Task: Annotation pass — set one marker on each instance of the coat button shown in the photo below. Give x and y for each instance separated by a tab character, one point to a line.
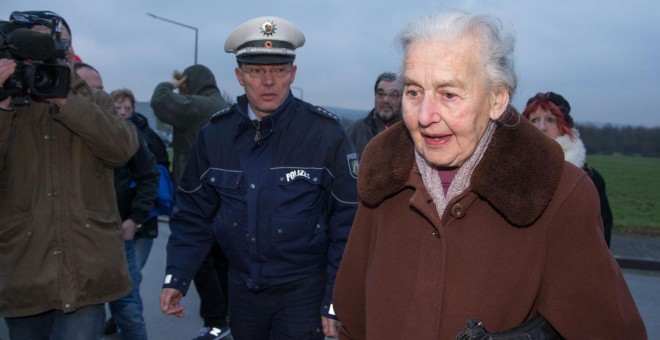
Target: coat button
457	210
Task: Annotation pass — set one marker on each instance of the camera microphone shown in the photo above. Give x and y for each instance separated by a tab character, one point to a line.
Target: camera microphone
26	44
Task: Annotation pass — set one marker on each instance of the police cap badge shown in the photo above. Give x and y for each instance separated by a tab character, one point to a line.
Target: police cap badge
266	41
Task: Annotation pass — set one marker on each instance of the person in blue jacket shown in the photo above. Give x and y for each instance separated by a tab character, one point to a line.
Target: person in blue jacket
272	179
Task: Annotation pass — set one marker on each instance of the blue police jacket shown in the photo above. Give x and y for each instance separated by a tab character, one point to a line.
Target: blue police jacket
279	195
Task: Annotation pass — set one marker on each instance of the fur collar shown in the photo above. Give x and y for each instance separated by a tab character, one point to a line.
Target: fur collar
517	175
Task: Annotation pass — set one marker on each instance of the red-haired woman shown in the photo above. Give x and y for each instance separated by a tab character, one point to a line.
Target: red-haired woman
550	112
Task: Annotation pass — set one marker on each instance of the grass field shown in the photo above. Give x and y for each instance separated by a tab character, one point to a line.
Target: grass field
633	189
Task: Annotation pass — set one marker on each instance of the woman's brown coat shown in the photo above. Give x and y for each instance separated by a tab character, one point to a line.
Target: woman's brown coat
524	238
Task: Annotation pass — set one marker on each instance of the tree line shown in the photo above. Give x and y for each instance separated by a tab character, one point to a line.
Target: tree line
623	140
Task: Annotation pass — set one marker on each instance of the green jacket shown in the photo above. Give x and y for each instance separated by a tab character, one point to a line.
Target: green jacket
60	232
187	113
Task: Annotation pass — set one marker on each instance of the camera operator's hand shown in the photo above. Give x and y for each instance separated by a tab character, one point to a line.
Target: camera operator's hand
7	68
57	101
177	82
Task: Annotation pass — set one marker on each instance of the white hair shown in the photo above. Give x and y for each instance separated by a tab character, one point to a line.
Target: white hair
496	42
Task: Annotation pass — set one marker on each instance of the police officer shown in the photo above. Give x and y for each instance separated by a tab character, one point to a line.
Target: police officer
273	180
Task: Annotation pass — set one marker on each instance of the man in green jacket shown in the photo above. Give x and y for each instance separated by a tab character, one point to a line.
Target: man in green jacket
188	110
60	231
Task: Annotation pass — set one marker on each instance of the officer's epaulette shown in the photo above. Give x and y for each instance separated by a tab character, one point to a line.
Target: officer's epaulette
222	112
323	112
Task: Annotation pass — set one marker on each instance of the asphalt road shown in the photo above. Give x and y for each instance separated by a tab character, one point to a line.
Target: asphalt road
645	288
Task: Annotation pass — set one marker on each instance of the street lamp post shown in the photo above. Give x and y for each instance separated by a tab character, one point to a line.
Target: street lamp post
180	24
299	89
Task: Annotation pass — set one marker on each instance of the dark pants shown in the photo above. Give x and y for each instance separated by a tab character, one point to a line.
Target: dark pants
84	324
211	284
289	311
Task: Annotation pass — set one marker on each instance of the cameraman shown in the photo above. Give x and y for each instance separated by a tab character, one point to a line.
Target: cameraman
60	231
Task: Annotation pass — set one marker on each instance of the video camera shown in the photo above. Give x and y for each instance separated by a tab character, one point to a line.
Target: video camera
46	75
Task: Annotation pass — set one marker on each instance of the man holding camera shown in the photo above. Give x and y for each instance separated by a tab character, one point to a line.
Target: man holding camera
60	231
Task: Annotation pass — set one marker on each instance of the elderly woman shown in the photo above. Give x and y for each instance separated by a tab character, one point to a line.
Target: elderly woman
466	213
551	113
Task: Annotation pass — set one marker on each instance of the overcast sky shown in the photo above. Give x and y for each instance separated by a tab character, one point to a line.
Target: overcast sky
603	56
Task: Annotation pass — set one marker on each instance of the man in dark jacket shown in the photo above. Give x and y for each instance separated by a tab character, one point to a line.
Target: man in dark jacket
386	111
273	180
124	104
89	74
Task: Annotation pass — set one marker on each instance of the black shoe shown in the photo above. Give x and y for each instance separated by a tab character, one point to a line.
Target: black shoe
110	327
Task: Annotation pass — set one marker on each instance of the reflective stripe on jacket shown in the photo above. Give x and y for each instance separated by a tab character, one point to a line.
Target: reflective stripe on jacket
281	206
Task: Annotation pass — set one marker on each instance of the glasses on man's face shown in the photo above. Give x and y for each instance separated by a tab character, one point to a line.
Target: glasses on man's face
392	94
260	72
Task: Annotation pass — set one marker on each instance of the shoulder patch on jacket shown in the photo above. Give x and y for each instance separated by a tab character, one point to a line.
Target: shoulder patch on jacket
323	112
222	112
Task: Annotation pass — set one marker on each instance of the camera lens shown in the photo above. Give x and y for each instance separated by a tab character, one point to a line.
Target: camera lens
45	79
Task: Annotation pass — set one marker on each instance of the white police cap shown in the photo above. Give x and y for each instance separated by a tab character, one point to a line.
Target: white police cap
265	40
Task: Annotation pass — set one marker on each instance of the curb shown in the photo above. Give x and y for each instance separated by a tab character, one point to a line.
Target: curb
638	263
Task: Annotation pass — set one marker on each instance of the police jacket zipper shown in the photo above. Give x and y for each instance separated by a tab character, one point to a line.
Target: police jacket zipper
257	125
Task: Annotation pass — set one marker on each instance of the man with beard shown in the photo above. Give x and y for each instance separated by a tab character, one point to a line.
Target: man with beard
386	112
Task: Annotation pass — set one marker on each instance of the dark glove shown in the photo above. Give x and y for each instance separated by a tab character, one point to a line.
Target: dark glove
538	328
